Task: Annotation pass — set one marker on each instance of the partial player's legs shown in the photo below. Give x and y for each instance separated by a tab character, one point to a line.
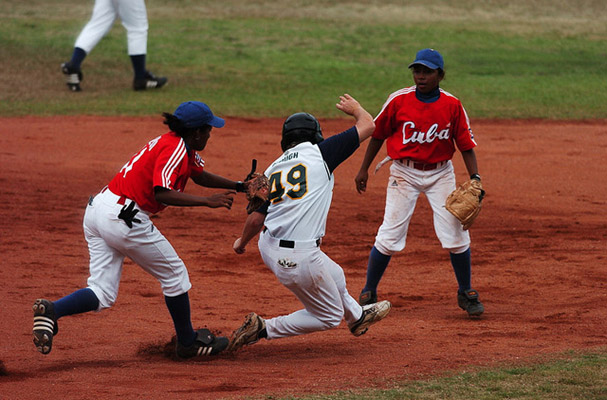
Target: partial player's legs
452	237
192	343
314	286
47	313
401	197
99	25
147	247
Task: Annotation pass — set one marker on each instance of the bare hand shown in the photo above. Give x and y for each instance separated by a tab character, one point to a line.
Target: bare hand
238	249
361	181
224	199
348	104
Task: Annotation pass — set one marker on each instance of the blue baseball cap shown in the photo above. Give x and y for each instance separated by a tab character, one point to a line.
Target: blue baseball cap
430	58
195	114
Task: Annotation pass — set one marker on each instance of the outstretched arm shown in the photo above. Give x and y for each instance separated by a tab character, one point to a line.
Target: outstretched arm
175	198
364	120
210	180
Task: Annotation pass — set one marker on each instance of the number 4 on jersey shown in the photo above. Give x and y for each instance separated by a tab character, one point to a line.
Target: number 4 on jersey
296	179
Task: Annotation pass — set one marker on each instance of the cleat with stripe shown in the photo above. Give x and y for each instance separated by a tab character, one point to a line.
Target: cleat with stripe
206	344
45	325
73	77
150	81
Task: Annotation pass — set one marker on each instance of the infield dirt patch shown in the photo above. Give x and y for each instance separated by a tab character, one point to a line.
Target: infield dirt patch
538	253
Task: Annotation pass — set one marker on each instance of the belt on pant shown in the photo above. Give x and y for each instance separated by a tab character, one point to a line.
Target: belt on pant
292	244
421	166
120	199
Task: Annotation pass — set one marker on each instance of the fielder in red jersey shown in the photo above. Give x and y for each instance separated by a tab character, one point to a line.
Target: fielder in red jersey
117	224
422	126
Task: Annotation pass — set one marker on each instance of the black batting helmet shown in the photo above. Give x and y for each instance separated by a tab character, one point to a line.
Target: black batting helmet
298	128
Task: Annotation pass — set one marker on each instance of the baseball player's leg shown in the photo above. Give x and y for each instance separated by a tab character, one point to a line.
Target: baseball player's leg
98	26
401	197
102	19
352	310
455	239
313	285
105	268
134	18
47	313
147	247
133	15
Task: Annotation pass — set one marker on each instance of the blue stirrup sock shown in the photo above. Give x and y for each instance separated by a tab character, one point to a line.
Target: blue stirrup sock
81	301
179	308
461	267
376	267
77	57
138	62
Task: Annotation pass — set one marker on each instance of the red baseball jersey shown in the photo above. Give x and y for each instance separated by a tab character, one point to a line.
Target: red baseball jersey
165	162
424	132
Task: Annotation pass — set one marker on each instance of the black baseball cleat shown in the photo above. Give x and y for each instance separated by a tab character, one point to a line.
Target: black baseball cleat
149	82
468	301
368	297
73	76
45	325
205	344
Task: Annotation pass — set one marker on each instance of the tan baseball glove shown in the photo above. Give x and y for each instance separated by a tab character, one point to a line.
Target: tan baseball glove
257	188
466	201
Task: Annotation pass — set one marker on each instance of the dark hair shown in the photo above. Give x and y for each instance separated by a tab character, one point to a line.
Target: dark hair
176	125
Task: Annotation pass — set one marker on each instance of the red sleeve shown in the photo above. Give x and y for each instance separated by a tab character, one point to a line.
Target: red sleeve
384	121
464	139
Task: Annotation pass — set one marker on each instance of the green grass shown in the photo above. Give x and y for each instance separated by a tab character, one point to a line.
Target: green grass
537	59
574	376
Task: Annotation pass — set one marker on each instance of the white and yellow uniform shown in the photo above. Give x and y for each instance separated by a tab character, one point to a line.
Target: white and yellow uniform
301	190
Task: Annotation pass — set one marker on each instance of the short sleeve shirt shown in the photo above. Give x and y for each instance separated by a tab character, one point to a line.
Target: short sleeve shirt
423	132
164	162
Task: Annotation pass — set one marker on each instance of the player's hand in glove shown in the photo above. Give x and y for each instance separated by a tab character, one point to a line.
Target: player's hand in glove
466	201
257	188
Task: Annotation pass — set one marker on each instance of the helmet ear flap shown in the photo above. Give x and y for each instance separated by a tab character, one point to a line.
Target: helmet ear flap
300	127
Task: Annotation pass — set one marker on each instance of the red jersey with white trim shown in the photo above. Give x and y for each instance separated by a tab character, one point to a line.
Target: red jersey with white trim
423	132
163	162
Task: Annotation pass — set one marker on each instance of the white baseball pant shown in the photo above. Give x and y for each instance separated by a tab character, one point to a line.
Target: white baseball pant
110	240
317	281
404	187
133	15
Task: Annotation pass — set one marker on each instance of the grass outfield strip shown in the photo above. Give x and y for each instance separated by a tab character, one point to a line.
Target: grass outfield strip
575	376
517	59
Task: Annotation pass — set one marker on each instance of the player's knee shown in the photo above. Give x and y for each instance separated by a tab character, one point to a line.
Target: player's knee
459	249
106	298
331	318
387	248
332	322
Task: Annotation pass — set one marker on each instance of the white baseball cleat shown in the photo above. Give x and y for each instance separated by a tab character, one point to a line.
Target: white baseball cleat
372	313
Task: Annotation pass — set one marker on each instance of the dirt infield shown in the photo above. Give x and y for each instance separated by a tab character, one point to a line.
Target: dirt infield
538	252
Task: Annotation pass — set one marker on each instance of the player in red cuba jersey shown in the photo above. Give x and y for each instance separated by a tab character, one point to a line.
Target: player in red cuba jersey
422	126
117	224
